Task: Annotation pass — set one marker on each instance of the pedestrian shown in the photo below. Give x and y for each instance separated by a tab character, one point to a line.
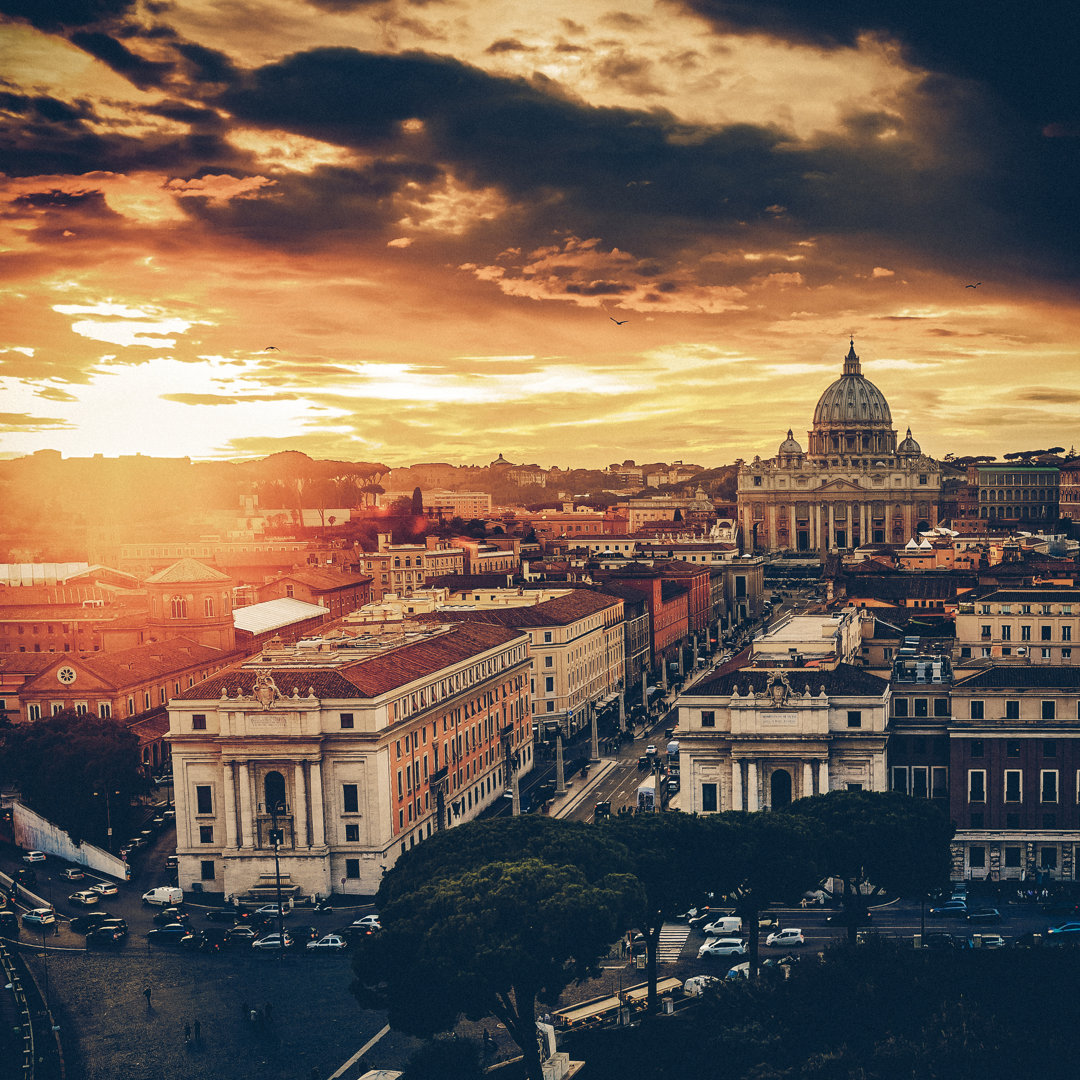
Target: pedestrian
187	1033
198	1032
146	994
253	1017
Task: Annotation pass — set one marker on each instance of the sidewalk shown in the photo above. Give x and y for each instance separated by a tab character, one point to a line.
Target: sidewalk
577	790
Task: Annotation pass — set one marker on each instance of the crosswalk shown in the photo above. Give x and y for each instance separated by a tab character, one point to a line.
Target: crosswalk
673	937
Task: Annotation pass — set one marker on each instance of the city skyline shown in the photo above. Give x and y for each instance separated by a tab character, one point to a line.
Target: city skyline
573	235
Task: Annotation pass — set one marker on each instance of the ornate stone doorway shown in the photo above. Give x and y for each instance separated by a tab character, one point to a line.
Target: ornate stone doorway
779	789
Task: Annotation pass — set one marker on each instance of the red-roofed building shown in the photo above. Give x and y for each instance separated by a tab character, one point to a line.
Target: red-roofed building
339	592
368	739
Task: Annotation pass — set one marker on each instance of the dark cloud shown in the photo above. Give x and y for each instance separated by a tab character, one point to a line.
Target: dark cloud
141	72
53	393
22	422
505	45
1049	396
60	14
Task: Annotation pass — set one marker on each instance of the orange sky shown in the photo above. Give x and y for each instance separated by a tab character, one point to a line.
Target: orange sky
434	212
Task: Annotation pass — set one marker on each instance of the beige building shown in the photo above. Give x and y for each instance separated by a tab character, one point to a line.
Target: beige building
368	740
854	484
403	568
758	738
1017	625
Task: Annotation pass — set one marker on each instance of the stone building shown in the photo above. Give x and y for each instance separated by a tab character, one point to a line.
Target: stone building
854	484
359	744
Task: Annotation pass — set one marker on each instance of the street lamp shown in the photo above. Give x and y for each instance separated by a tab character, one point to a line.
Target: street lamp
275	839
108	817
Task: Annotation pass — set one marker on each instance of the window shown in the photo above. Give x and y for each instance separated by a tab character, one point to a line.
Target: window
547	637
352	834
941	706
1025	633
1006	632
33	712
708	718
346	719
899	779
352	869
208	606
900	706
976	712
198	722
919	777
977	856
549	684
206	834
939	776
1048	855
1012	858
178	607
1045	633
984	630
1048	785
708	797
104	710
206	870
1048	710
204	801
1012	710
350	798
1014	785
854	718
921	707
1066	633
976	785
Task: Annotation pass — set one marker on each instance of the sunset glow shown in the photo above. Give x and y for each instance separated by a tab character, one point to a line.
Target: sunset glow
408	231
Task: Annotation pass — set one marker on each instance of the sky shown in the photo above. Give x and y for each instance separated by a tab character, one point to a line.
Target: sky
573	232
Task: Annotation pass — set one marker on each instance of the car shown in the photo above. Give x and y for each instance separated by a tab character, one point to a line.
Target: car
844	918
9	924
984	915
715	947
273	911
84	898
169	815
789	936
33	857
164	896
768	921
91	920
239	935
227	914
303	934
167	935
950	907
171	915
193	940
105	936
116	924
939	939
642	762
697	985
1066	934
328	943
105	888
212	939
992	941
172	862
135	842
41	916
273	942
367	920
72	873
673	786
24	876
723	926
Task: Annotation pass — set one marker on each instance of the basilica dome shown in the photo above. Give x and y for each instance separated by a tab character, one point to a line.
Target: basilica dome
909	445
790	445
852	399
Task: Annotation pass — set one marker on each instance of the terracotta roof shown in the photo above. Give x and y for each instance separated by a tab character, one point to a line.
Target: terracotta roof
366	677
145	661
322	580
1020	676
186	571
559	611
844	679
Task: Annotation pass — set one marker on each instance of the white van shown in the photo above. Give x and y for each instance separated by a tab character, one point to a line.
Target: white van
164	895
722	926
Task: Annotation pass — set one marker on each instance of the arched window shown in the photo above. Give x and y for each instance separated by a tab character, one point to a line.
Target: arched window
179	607
274	791
208	606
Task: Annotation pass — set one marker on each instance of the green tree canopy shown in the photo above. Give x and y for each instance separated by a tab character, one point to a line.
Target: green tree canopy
64	764
491	941
877	842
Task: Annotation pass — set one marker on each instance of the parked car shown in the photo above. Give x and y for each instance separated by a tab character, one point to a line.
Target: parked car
728	946
697	985
105	888
993	941
41	916
239	935
272	911
105	936
9	924
223	914
722	926
366	921
328	943
33	857
91	920
788	937
213	939
84	898
170	915
984	915
24	876
164	895
72	873
273	942
939	939
304	934
172	862
167	935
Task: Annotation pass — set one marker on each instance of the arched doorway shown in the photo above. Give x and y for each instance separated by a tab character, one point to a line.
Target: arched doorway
780	789
274	791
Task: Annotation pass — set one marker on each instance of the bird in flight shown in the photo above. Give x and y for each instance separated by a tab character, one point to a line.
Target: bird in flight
617	322
271	348
975	286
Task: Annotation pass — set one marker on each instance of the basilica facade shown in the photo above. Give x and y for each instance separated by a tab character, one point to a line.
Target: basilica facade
853	485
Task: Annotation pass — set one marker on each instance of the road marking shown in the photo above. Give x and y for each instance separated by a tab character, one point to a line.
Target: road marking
359	1054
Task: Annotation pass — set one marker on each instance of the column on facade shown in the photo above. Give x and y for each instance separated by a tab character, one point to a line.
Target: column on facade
300	832
823	777
751	785
243	782
318	821
815	525
831	538
228	797
807	779
864	526
909	525
736	784
877	773
772	527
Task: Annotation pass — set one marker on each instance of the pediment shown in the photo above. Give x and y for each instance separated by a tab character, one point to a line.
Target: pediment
57	680
839	486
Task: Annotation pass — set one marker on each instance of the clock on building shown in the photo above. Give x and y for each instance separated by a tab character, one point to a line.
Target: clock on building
67	675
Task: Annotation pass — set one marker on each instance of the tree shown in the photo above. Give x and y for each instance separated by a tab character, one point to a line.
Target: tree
417	502
491	941
877	842
63	765
665	856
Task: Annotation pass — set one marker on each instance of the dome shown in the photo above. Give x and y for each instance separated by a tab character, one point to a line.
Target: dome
790	445
909	445
852	400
